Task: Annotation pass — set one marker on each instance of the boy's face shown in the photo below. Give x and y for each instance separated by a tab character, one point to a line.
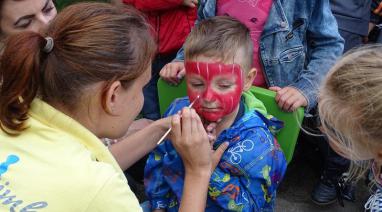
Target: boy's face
218	85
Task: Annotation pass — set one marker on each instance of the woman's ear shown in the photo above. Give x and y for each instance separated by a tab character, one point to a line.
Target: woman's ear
112	97
249	78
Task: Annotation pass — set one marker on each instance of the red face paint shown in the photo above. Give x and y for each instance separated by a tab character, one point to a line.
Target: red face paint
207	81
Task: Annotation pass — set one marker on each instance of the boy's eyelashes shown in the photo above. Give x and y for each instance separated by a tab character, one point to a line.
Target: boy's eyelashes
196	84
225	86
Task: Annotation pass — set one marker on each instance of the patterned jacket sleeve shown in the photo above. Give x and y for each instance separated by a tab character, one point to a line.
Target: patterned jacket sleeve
247	177
155	185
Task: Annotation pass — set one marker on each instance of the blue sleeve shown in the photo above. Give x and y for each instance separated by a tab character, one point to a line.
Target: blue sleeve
325	45
155	185
247	177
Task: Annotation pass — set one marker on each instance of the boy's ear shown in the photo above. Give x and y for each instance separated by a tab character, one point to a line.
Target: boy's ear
248	81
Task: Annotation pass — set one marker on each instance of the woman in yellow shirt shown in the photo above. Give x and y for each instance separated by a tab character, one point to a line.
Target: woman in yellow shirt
79	81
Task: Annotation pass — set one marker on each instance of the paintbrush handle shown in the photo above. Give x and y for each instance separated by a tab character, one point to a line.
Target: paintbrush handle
169	130
164	136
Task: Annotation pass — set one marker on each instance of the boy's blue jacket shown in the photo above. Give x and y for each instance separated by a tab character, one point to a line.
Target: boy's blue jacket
246	177
299	44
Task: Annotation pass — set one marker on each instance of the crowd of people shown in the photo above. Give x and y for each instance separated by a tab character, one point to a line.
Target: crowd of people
70	80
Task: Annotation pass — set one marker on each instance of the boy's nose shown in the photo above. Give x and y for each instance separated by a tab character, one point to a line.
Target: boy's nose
209	96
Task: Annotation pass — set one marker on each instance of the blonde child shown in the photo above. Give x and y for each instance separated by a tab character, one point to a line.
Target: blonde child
350	108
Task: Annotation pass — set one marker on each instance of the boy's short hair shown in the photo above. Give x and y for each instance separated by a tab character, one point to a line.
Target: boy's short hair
220	37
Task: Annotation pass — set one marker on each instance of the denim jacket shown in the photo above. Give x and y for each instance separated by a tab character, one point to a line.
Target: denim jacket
245	179
299	44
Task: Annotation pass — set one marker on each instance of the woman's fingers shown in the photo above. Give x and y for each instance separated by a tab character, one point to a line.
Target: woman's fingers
176	130
217	154
194	123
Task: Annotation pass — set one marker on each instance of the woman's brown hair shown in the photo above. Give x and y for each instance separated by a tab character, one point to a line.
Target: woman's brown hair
93	42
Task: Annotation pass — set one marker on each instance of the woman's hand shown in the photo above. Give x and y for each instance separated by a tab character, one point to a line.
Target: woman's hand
193	144
191	141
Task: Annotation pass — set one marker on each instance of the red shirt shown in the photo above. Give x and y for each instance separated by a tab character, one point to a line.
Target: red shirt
254	14
171	21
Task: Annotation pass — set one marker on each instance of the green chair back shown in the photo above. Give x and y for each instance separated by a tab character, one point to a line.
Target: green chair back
287	137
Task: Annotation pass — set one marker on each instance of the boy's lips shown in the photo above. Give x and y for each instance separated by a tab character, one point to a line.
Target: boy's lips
210	109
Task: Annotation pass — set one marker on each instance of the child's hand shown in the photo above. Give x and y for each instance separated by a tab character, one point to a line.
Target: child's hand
190	3
192	143
211	132
289	98
173	72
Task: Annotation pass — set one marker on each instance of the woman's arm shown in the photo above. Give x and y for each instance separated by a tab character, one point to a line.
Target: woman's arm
195	191
132	148
191	141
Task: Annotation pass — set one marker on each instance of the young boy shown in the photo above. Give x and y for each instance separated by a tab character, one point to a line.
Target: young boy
218	70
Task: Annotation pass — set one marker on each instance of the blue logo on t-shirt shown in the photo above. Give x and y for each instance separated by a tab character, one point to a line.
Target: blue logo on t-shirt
7	196
11	159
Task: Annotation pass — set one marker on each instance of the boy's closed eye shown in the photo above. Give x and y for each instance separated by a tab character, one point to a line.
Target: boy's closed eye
225	85
196	83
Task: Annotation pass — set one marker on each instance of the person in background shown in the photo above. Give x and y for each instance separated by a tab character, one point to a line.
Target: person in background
353	17
32	15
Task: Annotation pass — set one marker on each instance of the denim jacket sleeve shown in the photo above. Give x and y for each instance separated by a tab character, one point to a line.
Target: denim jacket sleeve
325	45
248	185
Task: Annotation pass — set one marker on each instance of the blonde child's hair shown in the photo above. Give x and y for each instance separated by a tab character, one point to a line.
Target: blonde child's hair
350	103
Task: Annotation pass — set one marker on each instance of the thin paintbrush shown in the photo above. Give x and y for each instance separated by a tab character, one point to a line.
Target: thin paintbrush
169	130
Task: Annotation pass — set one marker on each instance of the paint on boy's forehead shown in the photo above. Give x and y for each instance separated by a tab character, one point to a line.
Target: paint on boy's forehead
214	104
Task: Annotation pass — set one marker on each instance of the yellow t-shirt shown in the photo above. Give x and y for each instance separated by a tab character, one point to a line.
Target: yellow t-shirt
58	165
